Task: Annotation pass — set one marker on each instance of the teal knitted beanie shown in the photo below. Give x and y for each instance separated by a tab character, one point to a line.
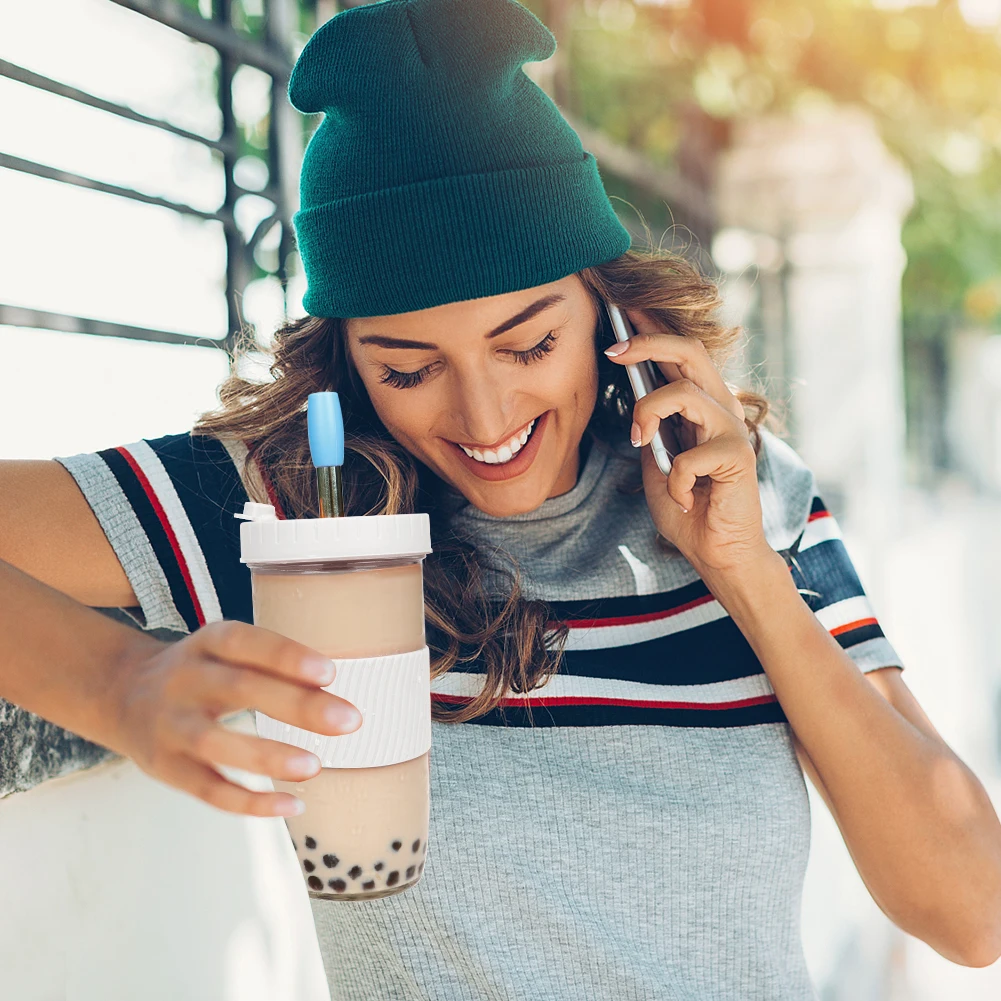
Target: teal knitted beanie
440	171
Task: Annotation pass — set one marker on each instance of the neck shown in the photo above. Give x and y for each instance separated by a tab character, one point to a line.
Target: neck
570	472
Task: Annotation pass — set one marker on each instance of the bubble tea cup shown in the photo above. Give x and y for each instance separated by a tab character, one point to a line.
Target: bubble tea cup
352	589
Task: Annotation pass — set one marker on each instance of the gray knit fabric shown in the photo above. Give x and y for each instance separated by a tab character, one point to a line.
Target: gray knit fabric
625	863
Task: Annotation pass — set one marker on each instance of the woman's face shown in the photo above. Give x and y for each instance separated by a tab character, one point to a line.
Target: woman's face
493	394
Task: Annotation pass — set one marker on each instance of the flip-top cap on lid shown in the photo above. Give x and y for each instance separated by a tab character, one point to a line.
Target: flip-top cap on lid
308	539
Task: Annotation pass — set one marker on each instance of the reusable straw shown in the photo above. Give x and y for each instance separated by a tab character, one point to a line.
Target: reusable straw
325	425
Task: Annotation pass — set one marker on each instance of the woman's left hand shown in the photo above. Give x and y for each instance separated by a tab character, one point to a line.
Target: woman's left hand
715	478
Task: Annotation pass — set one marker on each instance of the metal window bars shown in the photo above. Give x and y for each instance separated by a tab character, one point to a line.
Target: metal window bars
271	55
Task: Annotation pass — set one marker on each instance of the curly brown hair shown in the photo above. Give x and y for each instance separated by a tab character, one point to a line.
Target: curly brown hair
511	636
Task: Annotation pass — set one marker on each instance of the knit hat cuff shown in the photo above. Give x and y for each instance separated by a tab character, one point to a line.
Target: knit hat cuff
360	252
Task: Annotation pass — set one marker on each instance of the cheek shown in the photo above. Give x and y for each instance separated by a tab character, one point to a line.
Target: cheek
406	414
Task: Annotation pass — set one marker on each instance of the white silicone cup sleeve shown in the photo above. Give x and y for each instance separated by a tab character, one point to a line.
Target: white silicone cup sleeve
393	695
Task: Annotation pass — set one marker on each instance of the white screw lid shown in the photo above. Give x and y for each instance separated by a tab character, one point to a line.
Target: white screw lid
268	540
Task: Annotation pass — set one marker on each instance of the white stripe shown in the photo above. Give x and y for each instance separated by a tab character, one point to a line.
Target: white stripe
819	530
562	686
149	462
843	612
603	637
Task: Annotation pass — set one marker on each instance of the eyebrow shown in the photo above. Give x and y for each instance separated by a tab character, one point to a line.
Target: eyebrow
385	341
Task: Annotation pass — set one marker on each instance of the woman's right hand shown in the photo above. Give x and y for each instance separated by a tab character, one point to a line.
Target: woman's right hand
166	701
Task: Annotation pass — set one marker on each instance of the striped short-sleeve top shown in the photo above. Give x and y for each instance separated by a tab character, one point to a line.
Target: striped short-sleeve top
637	829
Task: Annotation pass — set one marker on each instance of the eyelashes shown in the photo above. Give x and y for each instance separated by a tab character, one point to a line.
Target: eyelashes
407	380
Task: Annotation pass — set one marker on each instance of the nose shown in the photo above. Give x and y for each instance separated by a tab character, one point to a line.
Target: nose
483	411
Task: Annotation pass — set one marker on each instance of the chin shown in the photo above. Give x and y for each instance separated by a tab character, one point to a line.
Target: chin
502	501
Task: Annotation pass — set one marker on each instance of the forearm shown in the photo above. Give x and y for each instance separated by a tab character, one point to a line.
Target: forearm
59	658
920	826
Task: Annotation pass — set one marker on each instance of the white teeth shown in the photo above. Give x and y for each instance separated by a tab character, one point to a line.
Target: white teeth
503	454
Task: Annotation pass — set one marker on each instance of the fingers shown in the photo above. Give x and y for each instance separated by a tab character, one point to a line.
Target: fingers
677	356
213	744
725	460
240	643
223	688
208	785
686	398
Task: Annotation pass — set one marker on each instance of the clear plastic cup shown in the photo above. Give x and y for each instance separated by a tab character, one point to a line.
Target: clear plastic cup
364	831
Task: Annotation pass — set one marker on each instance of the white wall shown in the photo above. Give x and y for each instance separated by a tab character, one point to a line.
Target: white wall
115	887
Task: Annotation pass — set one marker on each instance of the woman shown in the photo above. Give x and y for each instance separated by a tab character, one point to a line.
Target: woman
626	666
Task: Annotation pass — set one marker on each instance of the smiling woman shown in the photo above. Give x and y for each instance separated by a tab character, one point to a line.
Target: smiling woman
404	443
630	671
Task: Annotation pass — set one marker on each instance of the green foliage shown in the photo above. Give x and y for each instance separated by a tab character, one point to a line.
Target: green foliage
931	80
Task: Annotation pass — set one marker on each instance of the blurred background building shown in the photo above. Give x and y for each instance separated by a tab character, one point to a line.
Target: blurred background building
835	163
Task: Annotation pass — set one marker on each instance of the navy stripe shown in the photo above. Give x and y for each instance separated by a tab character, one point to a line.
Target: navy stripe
854	636
211	492
552	716
630	604
158	540
818	506
713	651
827	569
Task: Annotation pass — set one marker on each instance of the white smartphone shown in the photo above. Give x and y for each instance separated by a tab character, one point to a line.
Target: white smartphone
643	379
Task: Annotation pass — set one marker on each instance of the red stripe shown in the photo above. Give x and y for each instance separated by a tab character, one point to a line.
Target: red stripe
628	620
583	700
168	529
858	624
268	486
818	514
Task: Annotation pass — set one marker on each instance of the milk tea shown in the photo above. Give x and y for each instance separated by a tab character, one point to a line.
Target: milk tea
364	830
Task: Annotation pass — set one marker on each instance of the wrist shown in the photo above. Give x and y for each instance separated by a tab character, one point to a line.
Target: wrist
109	696
752	586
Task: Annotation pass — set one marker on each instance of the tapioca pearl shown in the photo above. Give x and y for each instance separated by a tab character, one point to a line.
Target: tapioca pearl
379	866
310	842
355	871
420	868
393	878
415	846
315	882
338	884
369	884
307	865
331	861
397	845
411	869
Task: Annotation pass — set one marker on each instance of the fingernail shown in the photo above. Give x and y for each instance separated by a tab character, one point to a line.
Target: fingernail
318	669
345	718
306	765
635	435
290	808
617	349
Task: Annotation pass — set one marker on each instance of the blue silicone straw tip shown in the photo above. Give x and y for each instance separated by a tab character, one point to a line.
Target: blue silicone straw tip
326	429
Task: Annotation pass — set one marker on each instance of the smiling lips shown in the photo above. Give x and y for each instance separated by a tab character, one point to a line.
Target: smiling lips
509	459
506	452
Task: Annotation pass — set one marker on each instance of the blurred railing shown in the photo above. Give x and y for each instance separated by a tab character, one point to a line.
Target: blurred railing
270	55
